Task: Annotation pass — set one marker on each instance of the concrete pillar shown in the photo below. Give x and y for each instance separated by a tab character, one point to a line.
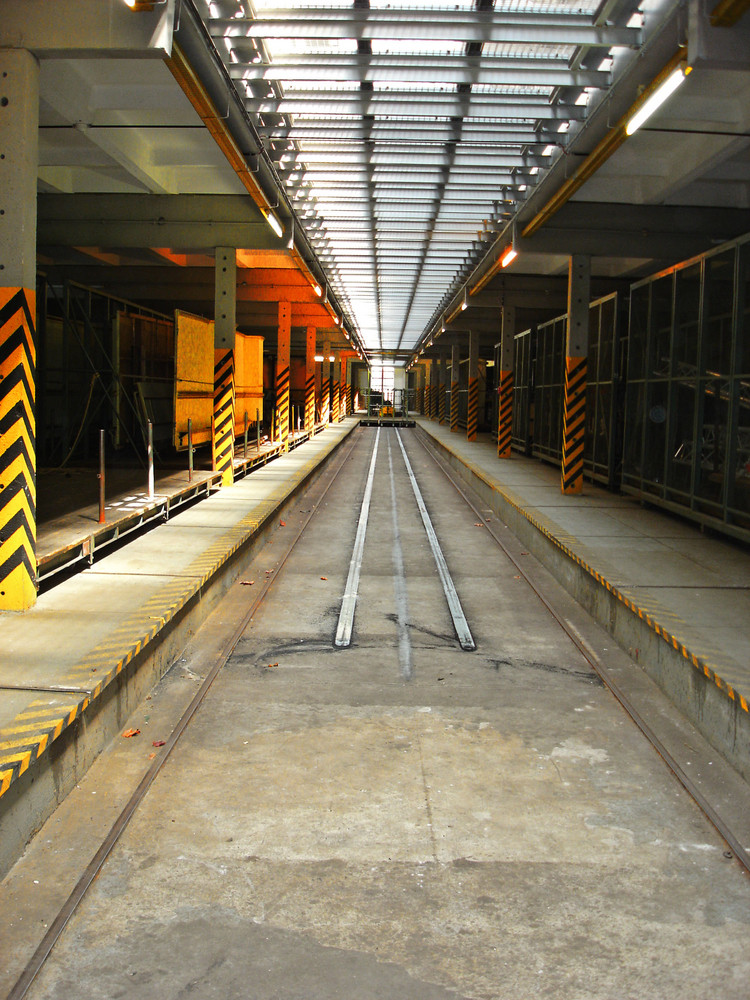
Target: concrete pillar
225	299
455	379
318	391
441	389
283	352
336	389
505	383
576	359
472	413
420	379
348	388
325	384
19	127
310	379
433	389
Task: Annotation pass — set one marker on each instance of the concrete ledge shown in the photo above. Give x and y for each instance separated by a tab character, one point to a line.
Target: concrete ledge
62	727
719	711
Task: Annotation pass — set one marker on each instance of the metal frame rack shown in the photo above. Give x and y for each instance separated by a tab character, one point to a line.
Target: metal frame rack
687	406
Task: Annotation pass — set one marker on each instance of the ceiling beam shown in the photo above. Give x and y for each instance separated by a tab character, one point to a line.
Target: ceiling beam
471	70
499	27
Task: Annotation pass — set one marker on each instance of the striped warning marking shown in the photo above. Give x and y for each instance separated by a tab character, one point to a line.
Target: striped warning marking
30	733
310	402
348	394
441	403
505	414
336	402
325	403
472	416
223	440
282	406
696	661
574	420
17	449
454	406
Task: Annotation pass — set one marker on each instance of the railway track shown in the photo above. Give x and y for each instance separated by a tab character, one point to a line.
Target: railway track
384	450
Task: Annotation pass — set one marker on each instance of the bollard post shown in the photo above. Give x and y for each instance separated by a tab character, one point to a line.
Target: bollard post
150	460
257	429
245	451
102	517
190	449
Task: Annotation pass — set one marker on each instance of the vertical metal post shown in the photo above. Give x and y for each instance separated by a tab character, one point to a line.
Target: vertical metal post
244	454
190	449
150	460
102	439
257	430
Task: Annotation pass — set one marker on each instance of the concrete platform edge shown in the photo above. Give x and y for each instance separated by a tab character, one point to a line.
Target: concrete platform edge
61	749
719	712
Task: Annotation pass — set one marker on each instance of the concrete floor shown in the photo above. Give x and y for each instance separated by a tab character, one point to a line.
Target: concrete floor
495	827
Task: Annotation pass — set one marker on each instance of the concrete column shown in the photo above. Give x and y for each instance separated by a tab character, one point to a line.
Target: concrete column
325	384
348	387
336	389
576	360
19	128
420	379
441	389
505	382
225	299
455	379
318	391
283	352
433	389
472	413
310	379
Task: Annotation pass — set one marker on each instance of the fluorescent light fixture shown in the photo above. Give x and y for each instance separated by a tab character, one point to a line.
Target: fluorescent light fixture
656	100
318	290
336	320
509	255
319	357
465	303
274	223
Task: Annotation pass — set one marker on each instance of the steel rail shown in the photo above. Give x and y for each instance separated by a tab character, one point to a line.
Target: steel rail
69	907
732	841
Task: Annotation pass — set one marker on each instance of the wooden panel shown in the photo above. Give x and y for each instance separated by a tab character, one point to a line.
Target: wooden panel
248	380
194	378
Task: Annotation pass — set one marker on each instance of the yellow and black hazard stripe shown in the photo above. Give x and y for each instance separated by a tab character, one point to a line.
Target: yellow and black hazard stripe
472	415
454	406
31	733
574	422
325	402
431	402
336	402
441	403
282	406
348	397
17	449
310	402
223	437
505	414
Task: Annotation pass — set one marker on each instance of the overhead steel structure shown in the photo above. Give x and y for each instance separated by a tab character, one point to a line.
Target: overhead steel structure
409	138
